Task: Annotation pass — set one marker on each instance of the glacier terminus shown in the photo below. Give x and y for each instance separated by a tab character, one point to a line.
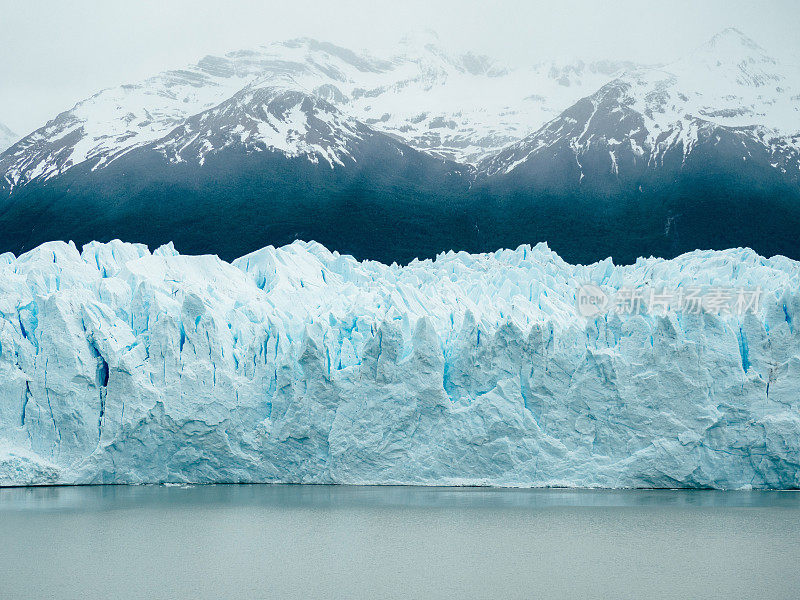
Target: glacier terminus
297	364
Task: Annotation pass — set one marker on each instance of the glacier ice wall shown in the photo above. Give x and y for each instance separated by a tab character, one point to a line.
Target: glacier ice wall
300	365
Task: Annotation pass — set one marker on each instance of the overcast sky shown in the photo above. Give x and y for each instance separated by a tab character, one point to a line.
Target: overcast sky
55	52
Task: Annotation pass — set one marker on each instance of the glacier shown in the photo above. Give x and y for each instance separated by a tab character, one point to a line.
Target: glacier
298	364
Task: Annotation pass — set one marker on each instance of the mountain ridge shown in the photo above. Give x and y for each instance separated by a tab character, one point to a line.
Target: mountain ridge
304	139
383	93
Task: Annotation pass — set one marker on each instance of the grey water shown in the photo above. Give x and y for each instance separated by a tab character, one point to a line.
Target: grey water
285	541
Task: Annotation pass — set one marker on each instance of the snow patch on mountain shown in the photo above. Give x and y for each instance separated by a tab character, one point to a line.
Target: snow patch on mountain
267	119
728	82
118	365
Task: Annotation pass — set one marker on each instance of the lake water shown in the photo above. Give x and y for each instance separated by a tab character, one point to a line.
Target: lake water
391	542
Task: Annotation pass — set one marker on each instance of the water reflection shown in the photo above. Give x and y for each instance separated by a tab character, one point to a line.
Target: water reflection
87	498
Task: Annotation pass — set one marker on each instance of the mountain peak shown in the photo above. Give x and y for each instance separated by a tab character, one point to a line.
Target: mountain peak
7	137
731	38
420	39
733	56
731	46
6	131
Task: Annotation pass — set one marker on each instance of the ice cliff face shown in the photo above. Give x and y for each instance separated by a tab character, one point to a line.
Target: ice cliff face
298	364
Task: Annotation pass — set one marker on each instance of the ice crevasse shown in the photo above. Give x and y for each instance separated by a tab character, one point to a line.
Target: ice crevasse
297	364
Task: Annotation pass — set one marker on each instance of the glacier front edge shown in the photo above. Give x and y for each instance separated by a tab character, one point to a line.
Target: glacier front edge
296	364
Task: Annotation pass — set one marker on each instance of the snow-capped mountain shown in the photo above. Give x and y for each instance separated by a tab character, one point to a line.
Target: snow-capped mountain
7	137
461	107
467	107
701	153
423	150
263	118
728	89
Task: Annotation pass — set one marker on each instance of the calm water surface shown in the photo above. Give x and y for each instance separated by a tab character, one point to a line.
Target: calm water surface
389	542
